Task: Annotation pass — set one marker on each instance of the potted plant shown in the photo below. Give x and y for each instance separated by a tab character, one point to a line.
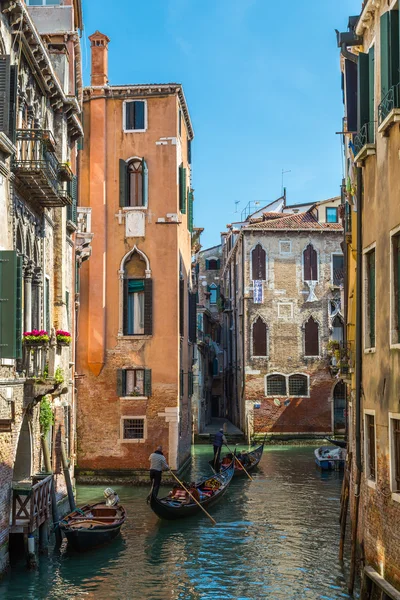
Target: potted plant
135	392
36	337
63	337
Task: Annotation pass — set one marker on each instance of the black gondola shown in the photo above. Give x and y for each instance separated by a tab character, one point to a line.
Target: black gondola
253	458
339	443
92	525
215	486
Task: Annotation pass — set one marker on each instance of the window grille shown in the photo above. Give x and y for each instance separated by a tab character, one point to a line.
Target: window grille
133	429
276	385
298	385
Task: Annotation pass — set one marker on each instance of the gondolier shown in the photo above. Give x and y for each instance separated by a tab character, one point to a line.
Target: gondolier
158	464
219	439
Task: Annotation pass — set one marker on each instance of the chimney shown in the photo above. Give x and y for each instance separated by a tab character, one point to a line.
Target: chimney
99	45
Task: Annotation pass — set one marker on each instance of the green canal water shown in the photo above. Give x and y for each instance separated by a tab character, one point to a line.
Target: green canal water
276	538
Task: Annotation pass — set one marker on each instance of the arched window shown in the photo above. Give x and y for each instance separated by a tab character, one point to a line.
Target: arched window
258	264
133	182
276	385
260	332
137	303
337	329
310	264
212	264
298	385
311	338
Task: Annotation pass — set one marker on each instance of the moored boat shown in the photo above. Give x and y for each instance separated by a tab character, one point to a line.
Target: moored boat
330	459
339	443
209	492
249	461
92	525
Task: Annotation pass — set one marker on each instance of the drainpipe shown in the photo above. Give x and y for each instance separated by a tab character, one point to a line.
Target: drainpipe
358	380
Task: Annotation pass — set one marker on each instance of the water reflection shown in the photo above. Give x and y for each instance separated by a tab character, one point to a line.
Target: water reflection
276	537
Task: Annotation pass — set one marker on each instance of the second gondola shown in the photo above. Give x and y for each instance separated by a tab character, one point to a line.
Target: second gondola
252	460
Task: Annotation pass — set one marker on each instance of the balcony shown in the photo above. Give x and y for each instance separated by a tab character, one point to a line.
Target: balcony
31	504
364	142
389	110
36	166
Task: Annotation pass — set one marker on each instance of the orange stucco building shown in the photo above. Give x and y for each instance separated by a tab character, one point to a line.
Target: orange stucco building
137	311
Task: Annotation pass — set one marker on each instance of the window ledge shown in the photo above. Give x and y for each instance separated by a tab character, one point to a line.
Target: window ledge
395	346
133	208
6	144
371	483
132	441
370	350
396	496
134	336
133	397
366	150
392	118
134	130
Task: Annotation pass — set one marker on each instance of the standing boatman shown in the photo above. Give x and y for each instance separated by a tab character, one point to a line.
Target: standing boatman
158	464
219	439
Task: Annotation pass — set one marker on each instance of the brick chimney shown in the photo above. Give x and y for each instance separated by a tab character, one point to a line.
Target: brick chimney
99	45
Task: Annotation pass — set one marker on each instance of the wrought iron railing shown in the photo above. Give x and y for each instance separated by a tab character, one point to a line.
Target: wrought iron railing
365	136
389	102
36	151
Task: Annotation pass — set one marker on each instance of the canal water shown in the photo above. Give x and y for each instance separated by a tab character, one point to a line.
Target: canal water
276	538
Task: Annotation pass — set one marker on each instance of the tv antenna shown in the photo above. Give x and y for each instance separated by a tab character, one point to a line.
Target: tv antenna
284	173
237	202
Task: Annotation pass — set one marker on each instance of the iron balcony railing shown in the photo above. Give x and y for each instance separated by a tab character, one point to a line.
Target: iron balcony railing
365	136
36	165
389	102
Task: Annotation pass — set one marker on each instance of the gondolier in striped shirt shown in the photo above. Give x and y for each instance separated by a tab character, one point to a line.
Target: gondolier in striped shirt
158	464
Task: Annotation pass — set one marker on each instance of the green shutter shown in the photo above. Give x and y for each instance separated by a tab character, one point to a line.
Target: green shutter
12	120
182	189
4	92
135	285
148	307
72	209
190	211
371	84
207	265
394	48
18	327
8	304
121	377
145	184
371	294
389	51
363	90
147	382
123	183
385	24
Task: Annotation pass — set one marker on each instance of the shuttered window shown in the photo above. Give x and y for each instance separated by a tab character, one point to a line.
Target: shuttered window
311	338
189	151
396	454
12	121
181	307
337	269
47	304
370	299
192	317
138	307
310	265
182	189
370	446
148	307
350	70
4	92
213	264
133	382
214	293
133	182
10	304
259	338
72	209
190	211
396	288
258	263
135	115
363	90
389	51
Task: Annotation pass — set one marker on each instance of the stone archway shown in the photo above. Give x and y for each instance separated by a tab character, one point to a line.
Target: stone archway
23	457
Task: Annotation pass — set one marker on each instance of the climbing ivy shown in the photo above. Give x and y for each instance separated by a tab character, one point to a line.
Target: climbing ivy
59	375
46	417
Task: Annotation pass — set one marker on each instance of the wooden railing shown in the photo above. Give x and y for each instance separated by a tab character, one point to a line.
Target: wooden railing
31	506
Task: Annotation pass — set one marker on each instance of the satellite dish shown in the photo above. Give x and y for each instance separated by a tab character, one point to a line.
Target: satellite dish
277	402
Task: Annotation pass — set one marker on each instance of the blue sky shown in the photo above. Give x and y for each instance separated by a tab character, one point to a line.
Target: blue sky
262	82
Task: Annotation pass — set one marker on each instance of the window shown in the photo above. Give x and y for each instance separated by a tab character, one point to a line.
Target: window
182	189
212	264
298	385
133	179
389	51
214	293
135	116
133	429
310	264
366	101
276	385
396	289
258	264
47	304
331	215
370	299
215	367
259	338
133	382
180	122
311	338
337	269
43	2
189	151
337	330
11	304
134	321
285	247
370	453
395	453
137	315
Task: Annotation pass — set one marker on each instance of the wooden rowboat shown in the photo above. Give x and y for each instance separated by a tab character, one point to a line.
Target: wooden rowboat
92	525
253	458
210	490
330	459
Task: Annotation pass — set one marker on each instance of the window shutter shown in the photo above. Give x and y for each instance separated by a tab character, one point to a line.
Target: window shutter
190	211
207	265
8	304
147	382
190	383
148	307
258	266
121	382
182	189
398	287
311	342
181	307
125	308
363	90
18	328
385	25
145	184
12	121
129	115
371	84
189	151
123	183
310	264
350	70
371	294
72	210
389	51
218	264
192	317
259	338
4	92
138	114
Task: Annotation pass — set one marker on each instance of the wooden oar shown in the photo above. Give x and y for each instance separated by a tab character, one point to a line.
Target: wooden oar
193	498
236	458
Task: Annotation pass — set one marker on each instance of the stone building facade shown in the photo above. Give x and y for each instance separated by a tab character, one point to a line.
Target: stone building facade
281	287
370	65
40	73
138	316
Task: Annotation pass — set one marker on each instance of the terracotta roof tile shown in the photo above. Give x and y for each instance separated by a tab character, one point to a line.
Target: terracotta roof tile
294	221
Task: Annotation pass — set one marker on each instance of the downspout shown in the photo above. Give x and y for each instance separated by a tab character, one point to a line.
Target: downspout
358	380
347	54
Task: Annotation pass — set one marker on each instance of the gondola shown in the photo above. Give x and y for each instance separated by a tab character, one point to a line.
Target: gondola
339	443
92	525
214	487
253	458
